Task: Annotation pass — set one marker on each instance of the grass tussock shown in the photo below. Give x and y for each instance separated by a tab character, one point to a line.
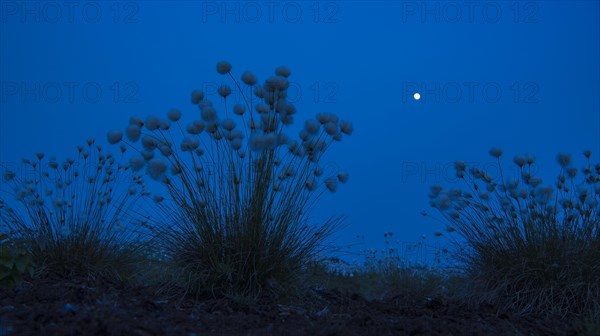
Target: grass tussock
75	218
234	218
529	247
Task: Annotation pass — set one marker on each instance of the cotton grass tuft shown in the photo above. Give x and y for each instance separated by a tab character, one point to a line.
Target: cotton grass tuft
114	136
240	189
174	115
523	219
223	67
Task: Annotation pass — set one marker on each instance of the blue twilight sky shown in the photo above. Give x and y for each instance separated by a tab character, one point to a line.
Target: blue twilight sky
523	76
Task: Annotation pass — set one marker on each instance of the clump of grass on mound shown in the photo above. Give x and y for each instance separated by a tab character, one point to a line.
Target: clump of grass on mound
530	248
75	218
240	190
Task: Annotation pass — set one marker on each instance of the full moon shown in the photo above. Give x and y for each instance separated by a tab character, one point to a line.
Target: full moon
417	96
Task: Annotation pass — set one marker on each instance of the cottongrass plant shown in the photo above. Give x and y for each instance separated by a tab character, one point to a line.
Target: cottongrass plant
530	247
240	189
78	217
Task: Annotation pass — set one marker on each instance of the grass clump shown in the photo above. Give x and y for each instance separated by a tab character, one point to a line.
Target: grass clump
529	247
75	218
235	220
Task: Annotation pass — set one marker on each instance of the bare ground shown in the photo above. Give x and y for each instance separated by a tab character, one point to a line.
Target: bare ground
46	306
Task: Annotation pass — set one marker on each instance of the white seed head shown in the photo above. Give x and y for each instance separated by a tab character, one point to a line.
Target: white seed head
346	127
236	134
239	109
152	123
270	140
228	124
136	121
304	135
563	159
212	127
259	91
331	128
435	190
530	159
236	144
283	71
312	126
287	119
325	117
208	113
189	144
311	184
156	168
174	115
165	150
148	155
114	136
197	96
331	184
192	129
519	160
149	142
587	154
204	103
133	132
261	108
248	78
223	67
496	152
276	83
224	90
343	176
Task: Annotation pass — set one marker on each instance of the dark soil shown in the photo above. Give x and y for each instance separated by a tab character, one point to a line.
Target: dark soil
43	306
